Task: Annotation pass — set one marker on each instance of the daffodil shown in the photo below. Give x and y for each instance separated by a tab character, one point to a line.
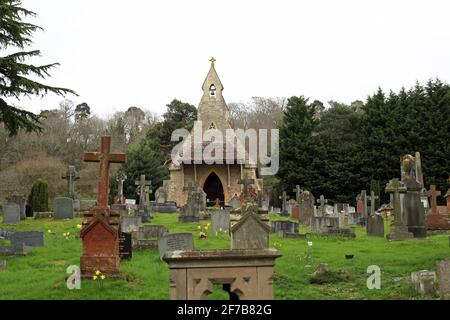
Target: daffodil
78	226
94	278
310	243
98	272
103	277
199	227
49	231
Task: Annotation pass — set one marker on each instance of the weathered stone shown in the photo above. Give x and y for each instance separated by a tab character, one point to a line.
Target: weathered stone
152	232
424	282
28	238
342	232
11	213
398	230
443	278
168	207
245	274
235	202
21	201
130	224
190	212
43	215
100	231
284	225
71	176
175	242
414	212
220	220
321	223
375	226
63	208
250	232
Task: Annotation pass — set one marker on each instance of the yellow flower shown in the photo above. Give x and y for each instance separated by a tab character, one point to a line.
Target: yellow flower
49	231
199	227
102	277
94	278
220	229
98	272
79	226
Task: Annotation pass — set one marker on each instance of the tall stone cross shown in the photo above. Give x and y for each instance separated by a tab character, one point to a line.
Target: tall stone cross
433	194
298	191
148	191
71	175
373	197
284	198
120	179
105	157
190	189
322	202
395	187
142	184
246	182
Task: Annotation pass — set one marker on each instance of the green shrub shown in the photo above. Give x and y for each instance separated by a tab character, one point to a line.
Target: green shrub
38	198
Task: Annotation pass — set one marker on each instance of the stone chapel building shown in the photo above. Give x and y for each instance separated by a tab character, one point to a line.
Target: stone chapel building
218	181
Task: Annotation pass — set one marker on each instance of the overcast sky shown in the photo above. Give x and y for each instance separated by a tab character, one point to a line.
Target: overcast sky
117	54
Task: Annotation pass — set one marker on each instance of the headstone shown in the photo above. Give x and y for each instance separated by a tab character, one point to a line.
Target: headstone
322	223
76	206
235	202
175	242
276	210
375	226
284	204
121	177
152	232
160	195
307	207
71	175
28	238
295	213
130	224
340	232
190	211
167	207
143	190
434	220
125	246
63	208
250	232
443	278
398	230
284	226
11	213
100	230
21	201
220	220
87	205
321	210
121	208
414	213
424	282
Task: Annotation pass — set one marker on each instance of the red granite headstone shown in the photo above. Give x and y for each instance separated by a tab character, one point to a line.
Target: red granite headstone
100	231
295	213
434	221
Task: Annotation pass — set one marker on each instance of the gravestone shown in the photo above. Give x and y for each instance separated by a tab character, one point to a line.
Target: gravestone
120	198
398	230
125	246
121	208
250	232
220	220
190	211
71	176
87	205
276	210
295	213
284	226
28	238
375	226
235	202
434	220
21	201
11	213
167	207
152	232
175	242
12	249
143	189
307	206
414	212
130	224
63	208
341	232
284	204
322	223
424	282
161	195
443	278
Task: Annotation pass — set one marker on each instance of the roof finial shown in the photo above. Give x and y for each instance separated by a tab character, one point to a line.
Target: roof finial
212	60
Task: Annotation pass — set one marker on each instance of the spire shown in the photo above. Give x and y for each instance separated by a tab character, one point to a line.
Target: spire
212	81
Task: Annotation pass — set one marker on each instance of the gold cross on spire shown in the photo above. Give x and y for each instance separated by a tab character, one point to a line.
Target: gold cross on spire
212	60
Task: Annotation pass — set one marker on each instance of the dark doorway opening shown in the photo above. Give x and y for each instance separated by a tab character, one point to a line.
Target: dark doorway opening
214	190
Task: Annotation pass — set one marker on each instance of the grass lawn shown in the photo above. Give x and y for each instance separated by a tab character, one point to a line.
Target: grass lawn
41	273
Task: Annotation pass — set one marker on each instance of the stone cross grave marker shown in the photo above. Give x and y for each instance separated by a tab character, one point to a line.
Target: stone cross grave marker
373	197
100	231
322	202
71	176
246	182
298	192
142	189
284	198
433	194
121	177
399	230
105	158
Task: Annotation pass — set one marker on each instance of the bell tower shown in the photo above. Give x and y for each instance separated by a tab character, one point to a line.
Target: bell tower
213	110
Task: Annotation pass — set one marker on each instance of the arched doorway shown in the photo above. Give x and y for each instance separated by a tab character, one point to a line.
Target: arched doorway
213	189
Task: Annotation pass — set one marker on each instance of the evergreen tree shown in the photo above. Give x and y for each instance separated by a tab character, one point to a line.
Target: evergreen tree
15	72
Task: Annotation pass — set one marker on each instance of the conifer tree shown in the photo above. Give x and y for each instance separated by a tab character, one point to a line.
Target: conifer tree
15	74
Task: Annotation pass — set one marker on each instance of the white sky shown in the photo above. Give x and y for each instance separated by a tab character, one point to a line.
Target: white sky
116	54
